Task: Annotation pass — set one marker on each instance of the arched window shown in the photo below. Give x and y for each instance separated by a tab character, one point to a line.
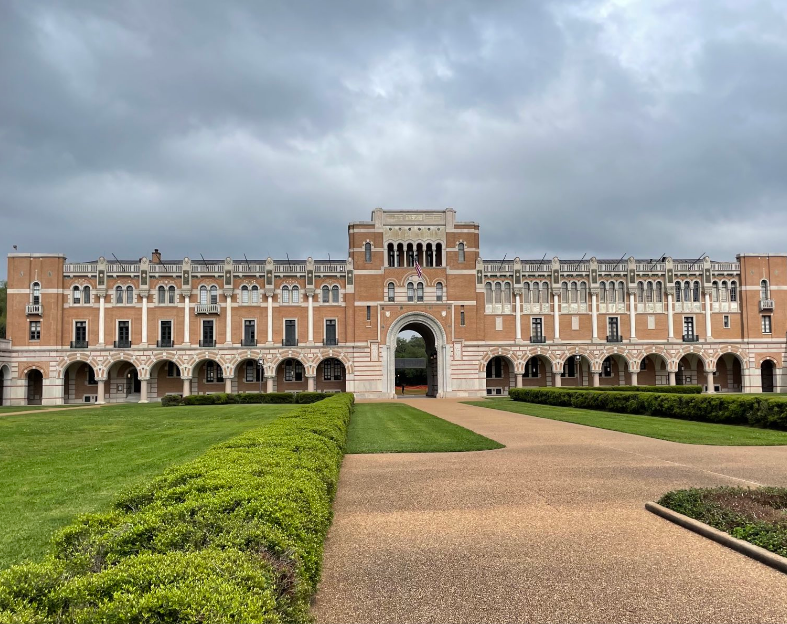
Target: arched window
659	292
285	294
461	249
677	292
649	292
621	292
129	294
214	294
400	255
583	292
733	291
573	292
171	292
391	291
687	291
439	291
438	254
545	292
118	294
391	255
86	295
244	294
419	291
724	292
535	297
526	292
410	292
410	255
161	296
507	293
696	292
498	293
296	294
602	292
255	294
36	293
640	292
764	290
429	255
203	295
367	251
335	294
715	291
564	292
326	294
76	296
488	293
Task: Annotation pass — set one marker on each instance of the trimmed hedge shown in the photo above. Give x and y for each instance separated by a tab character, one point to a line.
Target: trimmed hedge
753	410
223	398
659	389
234	536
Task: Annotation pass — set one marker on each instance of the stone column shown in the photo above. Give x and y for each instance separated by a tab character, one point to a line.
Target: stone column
709	381
186	310
518	378
670	321
144	323
228	385
310	383
270	319
228	330
101	301
556	380
556	311
310	335
596	379
269	384
518	323
707	316
672	378
633	315
594	315
101	399
186	386
634	378
143	390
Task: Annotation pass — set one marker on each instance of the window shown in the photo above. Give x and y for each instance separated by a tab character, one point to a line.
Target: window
688	326
332	370
606	367
326	294
766	324
643	365
172	370
124	333
488	293
118	294
621	292
207	331
335	294
531	368
214	295
726	320
715	291
210	372
86	295
507	293
296	294
249	332
583	293
330	332
36	293
391	291
203	295
80	331
602	292
537	327
244	294
35	330
293	370
368	313
696	293
91	376
285	294
411	292
391	255
659	293
439	291
461	249
564	292
613	327
171	294
165	329
419	291
290	332
764	290
687	291
494	368
724	293
536	294
574	292
640	292
498	293
733	291
461	316
129	294
367	250
429	255
569	367
255	294
677	292
252	371
161	295
76	296
649	293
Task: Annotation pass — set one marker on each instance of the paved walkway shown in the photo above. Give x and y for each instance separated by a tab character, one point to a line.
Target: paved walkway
550	529
50	409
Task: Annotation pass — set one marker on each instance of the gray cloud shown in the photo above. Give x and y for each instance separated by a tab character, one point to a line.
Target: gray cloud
564	128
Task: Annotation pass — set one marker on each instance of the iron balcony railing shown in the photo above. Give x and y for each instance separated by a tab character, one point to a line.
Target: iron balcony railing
614	338
248	342
207	308
79	344
166	343
289	342
122	344
207	342
34	308
766	304
691	338
331	342
538	339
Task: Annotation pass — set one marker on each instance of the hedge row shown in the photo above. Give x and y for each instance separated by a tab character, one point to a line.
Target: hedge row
754	410
660	389
233	536
222	398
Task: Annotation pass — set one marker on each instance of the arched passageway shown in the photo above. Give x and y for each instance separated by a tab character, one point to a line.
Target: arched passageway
576	371
79	383
35	387
436	362
165	378
691	371
331	376
615	371
5	378
123	384
538	372
207	377
250	376
729	373
653	371
500	375
291	376
768	376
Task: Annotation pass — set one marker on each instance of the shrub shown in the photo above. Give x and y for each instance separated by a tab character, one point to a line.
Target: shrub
234	536
222	398
171	399
752	410
659	389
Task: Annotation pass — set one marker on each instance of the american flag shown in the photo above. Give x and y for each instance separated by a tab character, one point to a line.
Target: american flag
418	268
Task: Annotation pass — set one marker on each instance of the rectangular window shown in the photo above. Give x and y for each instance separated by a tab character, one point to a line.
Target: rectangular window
612	327
80	331
290	333
35	330
210	372
766	324
606	368
327	370
531	368
368	313
688	326
91	377
569	367
330	332
207	330
462	316
726	321
249	332
124	332
253	371
172	370
166	333
537	327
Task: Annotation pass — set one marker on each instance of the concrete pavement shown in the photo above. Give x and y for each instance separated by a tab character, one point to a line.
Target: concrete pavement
550	529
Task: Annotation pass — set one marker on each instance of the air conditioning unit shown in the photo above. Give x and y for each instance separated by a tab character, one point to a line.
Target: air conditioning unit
90	398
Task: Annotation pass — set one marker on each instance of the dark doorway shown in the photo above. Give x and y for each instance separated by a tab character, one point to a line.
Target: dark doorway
767	376
35	387
133	386
416	361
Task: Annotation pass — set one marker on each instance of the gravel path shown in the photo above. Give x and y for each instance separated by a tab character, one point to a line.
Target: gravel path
550	529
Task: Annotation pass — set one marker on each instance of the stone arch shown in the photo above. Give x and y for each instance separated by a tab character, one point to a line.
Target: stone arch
336	355
81	356
576	350
23	372
140	364
657	351
631	360
5	385
189	364
768	358
272	365
517	365
165	356
699	352
232	363
442	360
739	353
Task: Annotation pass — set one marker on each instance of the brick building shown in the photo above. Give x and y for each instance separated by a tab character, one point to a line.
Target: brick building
136	330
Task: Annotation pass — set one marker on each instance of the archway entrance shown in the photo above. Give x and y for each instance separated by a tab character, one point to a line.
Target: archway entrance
435	365
35	387
3	377
767	376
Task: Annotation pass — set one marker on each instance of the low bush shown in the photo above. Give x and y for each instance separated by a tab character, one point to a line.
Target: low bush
223	398
755	515
171	400
659	389
234	536
754	410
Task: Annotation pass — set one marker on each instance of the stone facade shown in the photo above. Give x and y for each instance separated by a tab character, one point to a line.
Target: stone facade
137	330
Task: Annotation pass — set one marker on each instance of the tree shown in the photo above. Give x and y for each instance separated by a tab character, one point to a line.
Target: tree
415	347
3	307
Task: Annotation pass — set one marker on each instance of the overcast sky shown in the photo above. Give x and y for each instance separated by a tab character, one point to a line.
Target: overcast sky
224	128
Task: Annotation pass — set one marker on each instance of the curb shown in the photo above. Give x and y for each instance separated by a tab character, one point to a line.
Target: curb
725	539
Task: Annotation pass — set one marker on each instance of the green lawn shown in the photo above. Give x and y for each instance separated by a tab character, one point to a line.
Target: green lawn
672	429
399	428
55	465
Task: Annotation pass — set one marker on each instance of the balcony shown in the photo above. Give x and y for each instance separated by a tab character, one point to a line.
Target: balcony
122	344
211	342
165	343
691	338
289	342
331	342
766	304
207	308
538	339
614	338
79	344
248	342
34	309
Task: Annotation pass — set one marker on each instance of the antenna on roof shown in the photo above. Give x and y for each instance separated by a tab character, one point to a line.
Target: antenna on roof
248	266
289	266
500	268
694	264
661	259
116	258
203	259
541	264
580	261
619	261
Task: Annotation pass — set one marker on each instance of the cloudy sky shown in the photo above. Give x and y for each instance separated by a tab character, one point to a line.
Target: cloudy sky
223	128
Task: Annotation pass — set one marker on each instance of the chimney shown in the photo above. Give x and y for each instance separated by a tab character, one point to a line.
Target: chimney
155	257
